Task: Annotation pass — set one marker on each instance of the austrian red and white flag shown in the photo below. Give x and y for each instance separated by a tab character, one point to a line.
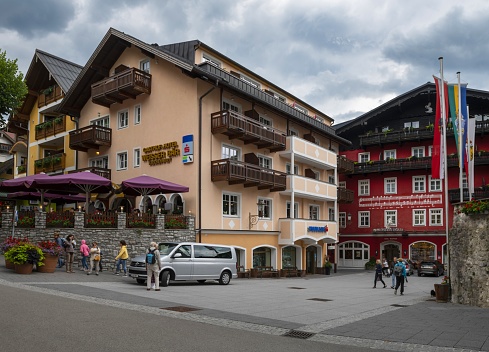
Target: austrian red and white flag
438	152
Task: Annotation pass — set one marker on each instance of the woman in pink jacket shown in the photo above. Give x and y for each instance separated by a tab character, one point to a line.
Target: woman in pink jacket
85	252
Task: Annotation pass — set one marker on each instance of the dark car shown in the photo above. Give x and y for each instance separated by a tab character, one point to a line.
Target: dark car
431	267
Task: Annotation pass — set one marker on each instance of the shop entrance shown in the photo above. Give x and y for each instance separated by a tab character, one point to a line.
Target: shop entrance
391	251
311	259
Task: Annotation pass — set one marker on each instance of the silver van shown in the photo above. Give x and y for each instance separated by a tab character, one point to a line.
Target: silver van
190	261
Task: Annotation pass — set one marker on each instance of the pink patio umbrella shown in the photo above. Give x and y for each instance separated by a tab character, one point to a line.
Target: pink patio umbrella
146	185
80	182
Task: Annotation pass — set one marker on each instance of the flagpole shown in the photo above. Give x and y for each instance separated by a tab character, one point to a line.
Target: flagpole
445	171
460	150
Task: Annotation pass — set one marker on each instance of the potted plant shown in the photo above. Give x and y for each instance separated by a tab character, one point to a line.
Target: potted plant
327	267
21	169
24	255
51	252
7	244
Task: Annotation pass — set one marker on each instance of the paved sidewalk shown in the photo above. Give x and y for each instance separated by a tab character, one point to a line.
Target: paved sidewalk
341	308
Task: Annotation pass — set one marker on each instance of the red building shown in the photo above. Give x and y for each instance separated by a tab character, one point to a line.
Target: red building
398	208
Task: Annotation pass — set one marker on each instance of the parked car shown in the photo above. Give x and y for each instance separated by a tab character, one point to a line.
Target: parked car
432	267
189	261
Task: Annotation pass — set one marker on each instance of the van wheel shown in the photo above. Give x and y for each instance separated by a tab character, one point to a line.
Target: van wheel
165	278
140	281
225	278
200	281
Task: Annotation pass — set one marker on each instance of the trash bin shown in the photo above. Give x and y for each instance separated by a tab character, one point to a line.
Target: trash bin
442	292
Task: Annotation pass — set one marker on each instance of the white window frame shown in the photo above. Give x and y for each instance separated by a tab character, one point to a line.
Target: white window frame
230	148
436	217
363	157
390	185
287	169
99	162
211	60
363	219
418	152
331	214
342	220
103	121
267	208
137	114
419	217
142	65
364	187
266	121
419	184
136	162
296	210
252	82
434	184
231	106
301	109
390	218
265	162
390	154
233	198
122	119
314	212
293	132
122	160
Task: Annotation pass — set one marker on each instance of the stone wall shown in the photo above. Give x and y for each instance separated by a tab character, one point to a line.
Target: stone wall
107	238
469	259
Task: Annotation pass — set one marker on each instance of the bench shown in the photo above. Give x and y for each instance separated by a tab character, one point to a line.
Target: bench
291	272
266	271
242	272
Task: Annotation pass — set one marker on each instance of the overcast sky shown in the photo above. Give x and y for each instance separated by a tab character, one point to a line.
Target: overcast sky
344	57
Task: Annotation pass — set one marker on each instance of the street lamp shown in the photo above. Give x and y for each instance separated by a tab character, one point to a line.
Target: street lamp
348	218
255	218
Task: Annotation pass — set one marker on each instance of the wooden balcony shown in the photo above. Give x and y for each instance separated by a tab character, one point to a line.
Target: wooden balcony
237	126
250	175
344	165
124	85
344	196
479	193
50	128
52	163
50	95
96	170
90	137
393	165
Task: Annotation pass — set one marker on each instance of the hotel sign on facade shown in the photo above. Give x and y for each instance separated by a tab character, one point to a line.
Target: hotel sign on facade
161	153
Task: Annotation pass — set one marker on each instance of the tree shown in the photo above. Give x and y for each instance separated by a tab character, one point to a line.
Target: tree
12	87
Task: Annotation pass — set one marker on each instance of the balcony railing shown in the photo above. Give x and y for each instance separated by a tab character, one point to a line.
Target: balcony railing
121	86
5	148
238	126
50	95
479	193
50	128
411	163
50	163
344	165
96	170
344	195
250	175
412	134
90	137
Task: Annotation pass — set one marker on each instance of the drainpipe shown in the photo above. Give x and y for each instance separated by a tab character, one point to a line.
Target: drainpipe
76	120
200	157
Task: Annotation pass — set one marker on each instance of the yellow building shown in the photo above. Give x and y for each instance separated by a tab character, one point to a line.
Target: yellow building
261	164
43	145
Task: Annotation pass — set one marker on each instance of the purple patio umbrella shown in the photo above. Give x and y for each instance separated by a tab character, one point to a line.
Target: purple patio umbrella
23	184
80	182
56	198
146	185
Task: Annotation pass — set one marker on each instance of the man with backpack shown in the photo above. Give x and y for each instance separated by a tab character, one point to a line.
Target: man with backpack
153	266
400	273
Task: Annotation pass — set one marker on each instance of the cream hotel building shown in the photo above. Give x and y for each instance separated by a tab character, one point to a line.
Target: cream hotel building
262	165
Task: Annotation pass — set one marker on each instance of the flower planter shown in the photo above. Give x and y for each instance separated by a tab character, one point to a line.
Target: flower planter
50	263
9	264
23	269
442	292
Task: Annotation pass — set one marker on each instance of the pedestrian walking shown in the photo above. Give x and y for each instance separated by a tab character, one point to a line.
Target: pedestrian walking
59	242
153	266
393	277
94	258
378	273
69	253
400	273
385	267
85	253
121	258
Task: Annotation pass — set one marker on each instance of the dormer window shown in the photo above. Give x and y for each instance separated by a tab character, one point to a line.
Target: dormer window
209	59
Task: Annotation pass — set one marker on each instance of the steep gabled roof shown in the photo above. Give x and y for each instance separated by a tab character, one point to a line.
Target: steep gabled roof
103	58
45	66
